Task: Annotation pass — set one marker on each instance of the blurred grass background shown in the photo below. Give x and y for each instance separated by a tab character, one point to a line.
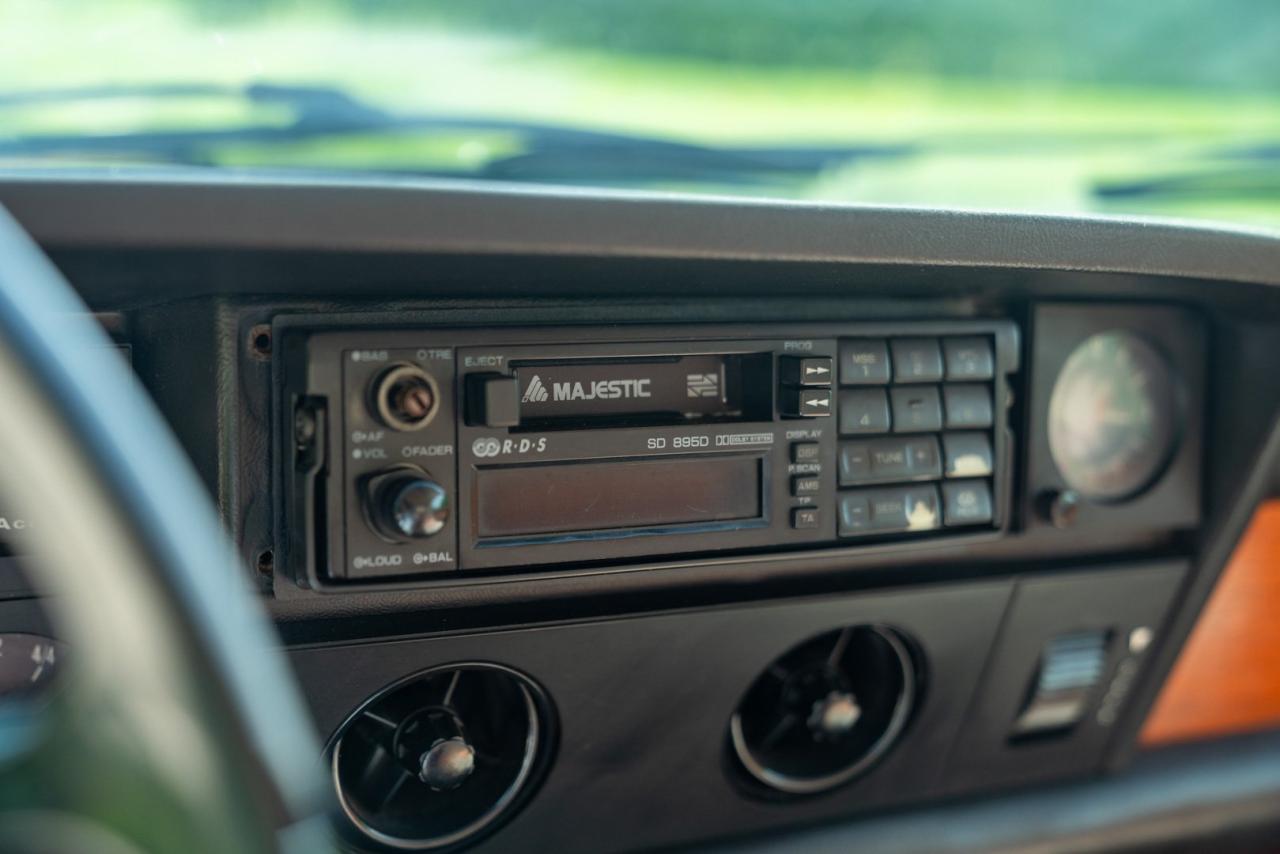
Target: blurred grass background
1015	105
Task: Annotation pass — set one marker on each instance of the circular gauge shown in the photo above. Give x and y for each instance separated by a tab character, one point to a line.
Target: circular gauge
1113	419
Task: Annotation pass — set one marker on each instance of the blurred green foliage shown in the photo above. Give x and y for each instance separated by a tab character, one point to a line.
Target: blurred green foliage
1198	43
1169	107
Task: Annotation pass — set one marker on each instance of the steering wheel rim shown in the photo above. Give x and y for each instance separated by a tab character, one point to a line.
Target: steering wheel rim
178	725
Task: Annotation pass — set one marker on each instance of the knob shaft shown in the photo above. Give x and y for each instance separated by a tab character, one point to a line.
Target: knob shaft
407	504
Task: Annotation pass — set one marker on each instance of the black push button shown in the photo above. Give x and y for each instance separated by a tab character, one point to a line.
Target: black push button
805	452
855	463
809	371
863	411
880	460
916	409
864	361
890	459
903	508
967	406
916	360
802	485
968	358
966	454
855	514
966	502
926	461
806	518
807	403
493	400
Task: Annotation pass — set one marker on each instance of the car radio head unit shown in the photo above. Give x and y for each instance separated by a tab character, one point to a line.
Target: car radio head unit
421	452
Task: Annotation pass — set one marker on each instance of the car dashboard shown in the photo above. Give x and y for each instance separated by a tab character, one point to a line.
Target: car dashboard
610	521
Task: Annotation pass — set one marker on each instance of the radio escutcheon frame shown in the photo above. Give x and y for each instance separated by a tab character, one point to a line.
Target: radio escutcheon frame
320	522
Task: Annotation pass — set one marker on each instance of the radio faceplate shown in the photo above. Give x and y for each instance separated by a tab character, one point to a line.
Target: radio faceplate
431	451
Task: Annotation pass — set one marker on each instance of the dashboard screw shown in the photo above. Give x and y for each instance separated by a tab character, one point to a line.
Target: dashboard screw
260	342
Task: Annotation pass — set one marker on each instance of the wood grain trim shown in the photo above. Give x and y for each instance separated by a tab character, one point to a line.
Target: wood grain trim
1227	677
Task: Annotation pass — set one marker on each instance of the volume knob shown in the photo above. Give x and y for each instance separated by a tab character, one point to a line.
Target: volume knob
406	504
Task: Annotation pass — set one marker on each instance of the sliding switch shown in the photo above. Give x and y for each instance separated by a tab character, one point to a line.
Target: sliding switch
1071	667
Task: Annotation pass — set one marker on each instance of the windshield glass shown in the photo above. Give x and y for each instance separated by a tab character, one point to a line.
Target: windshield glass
1062	106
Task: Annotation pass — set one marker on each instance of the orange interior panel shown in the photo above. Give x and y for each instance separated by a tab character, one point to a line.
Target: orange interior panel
1227	678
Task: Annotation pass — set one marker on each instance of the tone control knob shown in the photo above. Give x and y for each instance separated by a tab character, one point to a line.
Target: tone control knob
406	504
405	397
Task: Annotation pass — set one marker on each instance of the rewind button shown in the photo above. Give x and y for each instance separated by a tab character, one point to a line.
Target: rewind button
807	403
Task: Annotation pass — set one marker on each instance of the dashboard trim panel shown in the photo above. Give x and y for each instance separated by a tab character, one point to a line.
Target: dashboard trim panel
442	217
198	263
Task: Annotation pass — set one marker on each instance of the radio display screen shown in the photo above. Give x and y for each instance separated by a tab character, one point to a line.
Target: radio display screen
516	501
678	389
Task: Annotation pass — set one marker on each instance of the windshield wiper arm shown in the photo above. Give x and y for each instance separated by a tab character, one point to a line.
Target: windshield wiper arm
548	151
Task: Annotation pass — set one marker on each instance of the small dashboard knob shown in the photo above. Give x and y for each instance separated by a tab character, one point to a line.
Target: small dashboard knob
406	504
835	714
448	764
1060	508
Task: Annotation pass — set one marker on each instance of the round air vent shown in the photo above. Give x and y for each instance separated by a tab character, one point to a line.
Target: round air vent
439	758
826	710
